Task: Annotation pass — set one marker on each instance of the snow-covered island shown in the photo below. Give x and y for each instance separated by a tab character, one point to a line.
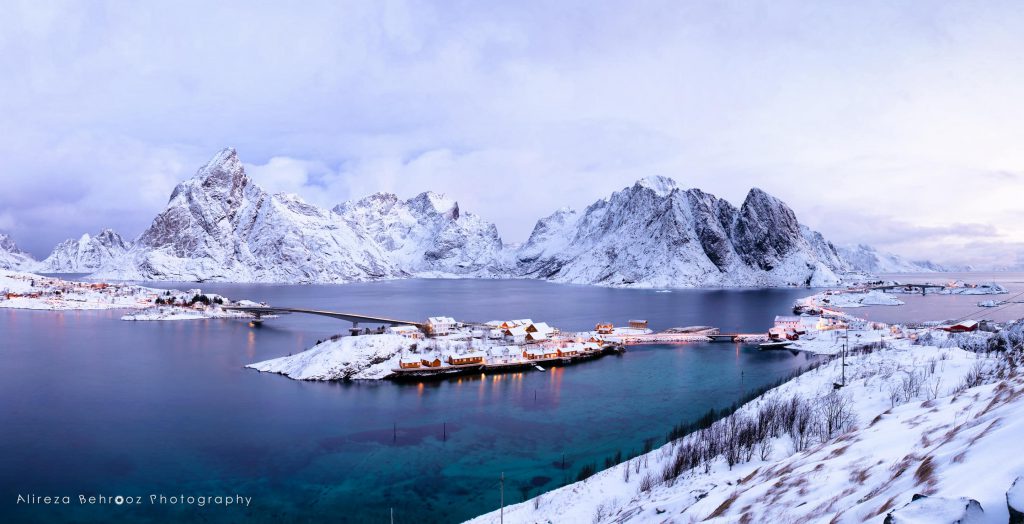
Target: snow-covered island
924	430
441	346
881	294
30	291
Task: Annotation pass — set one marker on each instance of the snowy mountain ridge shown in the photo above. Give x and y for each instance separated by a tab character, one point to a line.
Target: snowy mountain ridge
85	254
655	234
427	234
867	259
220	225
11	256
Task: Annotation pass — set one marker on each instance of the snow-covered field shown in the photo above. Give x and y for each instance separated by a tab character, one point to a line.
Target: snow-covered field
831	342
906	423
359	357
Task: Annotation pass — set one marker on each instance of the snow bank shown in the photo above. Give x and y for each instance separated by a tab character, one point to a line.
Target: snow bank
360	357
938	510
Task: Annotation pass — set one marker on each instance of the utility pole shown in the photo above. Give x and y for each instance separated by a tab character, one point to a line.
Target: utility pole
846	343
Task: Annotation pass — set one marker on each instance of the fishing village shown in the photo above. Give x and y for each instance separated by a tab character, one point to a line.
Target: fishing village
443	346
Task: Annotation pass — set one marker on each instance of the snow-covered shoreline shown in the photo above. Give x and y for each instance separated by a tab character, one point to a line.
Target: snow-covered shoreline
37	292
912	419
913	402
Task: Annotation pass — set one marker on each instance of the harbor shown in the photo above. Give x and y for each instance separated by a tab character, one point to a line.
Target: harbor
441	346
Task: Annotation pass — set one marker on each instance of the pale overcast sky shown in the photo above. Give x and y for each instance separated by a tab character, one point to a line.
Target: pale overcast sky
893	123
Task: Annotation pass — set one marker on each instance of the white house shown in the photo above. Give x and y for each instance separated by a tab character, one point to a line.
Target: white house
540	327
809	322
516	335
536	336
787	322
440	325
411	332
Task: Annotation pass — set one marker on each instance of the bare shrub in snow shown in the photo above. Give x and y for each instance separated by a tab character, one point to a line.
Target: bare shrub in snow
765	448
835	414
647	483
910	385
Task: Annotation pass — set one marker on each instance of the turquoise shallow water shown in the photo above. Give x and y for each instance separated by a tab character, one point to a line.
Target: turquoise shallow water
96	406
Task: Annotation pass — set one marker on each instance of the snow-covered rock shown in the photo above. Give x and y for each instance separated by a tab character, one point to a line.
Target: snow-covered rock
219	225
867	259
1015	501
358	357
938	510
427	234
655	234
12	257
84	255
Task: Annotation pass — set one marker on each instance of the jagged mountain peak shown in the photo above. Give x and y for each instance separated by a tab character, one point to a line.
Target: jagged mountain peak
436	202
85	254
661	185
12	257
7	244
654	234
426	233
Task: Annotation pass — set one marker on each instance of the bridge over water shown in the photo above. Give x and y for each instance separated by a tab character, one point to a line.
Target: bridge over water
910	287
258	312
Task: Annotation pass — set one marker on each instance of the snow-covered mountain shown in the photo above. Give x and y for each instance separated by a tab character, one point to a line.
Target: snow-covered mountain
219	225
869	260
12	257
655	234
427	234
85	254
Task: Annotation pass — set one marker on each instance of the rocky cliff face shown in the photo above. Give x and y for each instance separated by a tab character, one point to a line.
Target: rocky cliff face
85	254
655	234
12	257
427	235
220	226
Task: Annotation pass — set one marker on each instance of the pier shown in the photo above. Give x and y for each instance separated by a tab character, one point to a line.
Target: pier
400	373
677	338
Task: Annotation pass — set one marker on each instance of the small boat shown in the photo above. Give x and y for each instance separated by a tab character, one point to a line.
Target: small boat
539	368
778	344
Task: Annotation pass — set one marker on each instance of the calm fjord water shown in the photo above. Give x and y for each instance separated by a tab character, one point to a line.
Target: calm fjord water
95	406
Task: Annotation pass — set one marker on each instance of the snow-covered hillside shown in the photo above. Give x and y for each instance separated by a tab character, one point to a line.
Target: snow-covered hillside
341	358
655	234
221	226
869	260
12	257
84	255
428	234
912	420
